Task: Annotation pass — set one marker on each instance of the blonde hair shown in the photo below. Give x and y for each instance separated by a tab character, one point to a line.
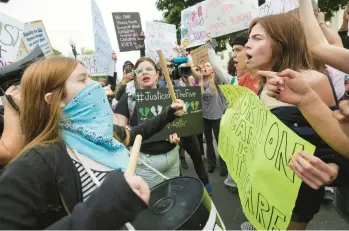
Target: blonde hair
38	118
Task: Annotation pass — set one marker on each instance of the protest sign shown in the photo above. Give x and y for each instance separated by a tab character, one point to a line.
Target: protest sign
35	34
89	62
273	7
11	32
257	148
193	31
160	36
150	103
102	43
128	29
200	55
228	16
22	51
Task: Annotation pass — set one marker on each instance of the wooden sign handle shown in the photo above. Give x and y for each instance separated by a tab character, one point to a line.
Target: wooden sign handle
168	79
132	164
167	75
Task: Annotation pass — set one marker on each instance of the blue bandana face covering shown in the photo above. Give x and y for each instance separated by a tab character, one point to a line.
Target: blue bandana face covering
87	127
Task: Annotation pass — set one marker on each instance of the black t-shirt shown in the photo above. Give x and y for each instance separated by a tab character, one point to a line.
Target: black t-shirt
153	148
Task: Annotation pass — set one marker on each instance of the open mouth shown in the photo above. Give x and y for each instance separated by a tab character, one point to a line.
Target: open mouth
145	79
236	63
248	57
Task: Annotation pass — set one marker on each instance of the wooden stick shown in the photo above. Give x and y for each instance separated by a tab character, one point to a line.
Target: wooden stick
132	164
167	75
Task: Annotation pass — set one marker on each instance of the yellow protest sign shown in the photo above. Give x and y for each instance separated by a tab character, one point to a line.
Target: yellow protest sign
257	148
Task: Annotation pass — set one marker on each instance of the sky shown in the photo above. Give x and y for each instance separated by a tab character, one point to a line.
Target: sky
65	19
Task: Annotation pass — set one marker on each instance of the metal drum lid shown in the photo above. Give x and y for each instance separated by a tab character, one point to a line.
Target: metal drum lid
171	204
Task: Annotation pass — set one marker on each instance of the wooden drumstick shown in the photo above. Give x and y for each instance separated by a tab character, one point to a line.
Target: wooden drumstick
132	163
168	79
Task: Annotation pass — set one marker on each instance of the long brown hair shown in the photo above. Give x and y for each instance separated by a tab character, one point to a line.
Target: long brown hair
38	118
289	46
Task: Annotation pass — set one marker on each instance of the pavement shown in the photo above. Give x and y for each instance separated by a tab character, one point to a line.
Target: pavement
229	207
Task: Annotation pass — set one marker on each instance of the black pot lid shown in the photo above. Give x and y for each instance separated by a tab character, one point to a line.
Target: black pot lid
171	204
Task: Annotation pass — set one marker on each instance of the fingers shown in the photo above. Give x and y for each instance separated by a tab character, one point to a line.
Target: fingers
139	187
313	171
325	172
267	74
290	73
344	107
174	139
343	114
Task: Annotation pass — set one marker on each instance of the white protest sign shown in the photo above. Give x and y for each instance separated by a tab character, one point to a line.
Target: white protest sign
193	31
272	7
160	36
11	32
35	34
228	16
89	62
22	51
102	43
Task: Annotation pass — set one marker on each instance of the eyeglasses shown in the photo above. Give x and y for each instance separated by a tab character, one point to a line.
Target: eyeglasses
141	70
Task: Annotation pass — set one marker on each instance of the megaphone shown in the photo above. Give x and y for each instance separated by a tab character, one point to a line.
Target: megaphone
12	74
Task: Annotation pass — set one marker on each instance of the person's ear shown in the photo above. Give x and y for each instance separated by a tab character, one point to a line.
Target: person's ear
48	97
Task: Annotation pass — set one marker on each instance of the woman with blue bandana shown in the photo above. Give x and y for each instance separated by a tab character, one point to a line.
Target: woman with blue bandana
69	173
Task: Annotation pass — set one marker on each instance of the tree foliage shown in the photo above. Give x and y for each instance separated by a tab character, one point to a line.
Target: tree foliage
172	14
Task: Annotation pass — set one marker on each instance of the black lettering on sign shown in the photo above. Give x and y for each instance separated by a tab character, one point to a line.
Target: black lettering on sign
263	209
271	143
244	104
282	159
241	130
246	189
262	120
276	217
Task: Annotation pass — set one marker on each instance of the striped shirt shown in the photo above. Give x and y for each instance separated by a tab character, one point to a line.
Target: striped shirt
87	184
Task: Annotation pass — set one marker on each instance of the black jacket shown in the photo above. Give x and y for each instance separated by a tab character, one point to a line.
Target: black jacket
41	187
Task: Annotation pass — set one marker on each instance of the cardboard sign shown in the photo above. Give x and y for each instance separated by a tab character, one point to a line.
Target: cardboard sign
150	103
228	16
257	148
200	55
160	36
35	34
11	32
102	43
193	31
128	29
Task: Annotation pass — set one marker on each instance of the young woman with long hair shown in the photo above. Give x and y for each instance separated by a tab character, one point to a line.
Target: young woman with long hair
161	155
71	161
213	107
276	43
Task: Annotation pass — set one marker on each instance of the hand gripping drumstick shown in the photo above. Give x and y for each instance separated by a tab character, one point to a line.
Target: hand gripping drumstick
132	163
168	79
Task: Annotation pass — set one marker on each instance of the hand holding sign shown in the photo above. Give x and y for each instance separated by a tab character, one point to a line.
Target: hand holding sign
313	171
287	86
179	106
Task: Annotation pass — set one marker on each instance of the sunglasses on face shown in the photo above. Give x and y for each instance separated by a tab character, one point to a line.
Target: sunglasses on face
141	70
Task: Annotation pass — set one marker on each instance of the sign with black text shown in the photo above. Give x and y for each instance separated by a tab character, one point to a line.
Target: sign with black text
128	30
150	103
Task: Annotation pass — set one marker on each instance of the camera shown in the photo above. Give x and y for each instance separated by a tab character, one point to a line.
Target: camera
178	71
12	74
